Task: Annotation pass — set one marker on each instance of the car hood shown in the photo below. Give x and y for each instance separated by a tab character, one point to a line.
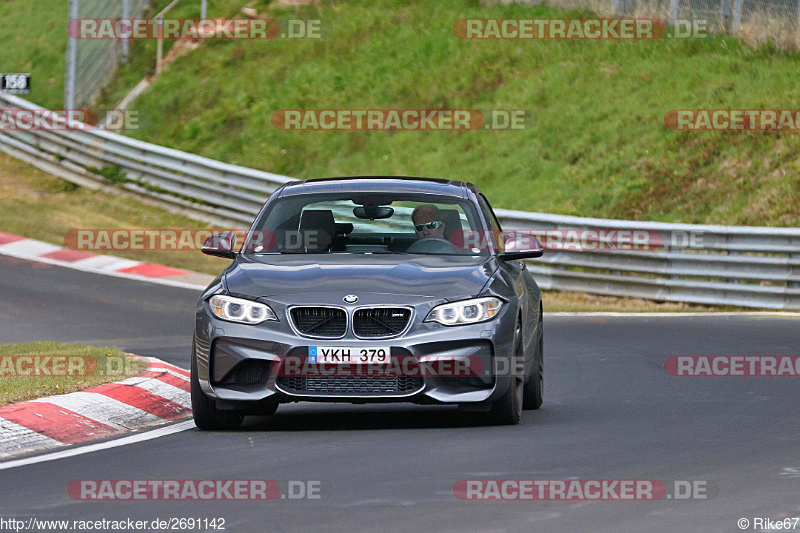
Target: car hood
374	278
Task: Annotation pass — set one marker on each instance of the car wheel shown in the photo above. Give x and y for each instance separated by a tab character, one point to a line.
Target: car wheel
508	409
534	388
204	410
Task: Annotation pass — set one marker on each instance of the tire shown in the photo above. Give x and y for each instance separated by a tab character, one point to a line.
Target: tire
507	411
204	410
534	388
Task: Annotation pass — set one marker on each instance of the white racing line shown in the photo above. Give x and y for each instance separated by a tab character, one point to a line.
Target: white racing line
105	445
33	250
157	281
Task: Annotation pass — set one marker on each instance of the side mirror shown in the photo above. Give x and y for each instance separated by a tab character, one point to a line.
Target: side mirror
220	245
520	247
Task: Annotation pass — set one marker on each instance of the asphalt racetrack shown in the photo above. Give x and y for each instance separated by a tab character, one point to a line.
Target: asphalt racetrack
610	412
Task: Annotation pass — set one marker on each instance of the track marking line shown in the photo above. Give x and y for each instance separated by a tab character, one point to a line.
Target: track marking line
115	443
82	268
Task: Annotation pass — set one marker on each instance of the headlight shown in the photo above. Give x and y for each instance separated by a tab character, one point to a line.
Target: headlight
465	311
240	310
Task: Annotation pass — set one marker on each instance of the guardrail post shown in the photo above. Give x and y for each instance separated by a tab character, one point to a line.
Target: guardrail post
671	249
72	60
793	270
734	281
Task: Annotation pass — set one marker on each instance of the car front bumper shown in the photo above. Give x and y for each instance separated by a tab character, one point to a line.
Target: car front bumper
243	365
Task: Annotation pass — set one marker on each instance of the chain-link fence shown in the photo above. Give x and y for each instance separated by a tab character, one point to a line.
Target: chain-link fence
756	22
90	63
741	17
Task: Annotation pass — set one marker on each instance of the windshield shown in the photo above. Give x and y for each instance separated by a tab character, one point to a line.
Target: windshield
366	223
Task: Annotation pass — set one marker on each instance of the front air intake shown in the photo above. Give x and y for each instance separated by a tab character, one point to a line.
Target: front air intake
323	322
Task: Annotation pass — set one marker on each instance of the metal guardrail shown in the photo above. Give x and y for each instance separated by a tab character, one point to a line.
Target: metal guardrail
220	191
719	265
705	264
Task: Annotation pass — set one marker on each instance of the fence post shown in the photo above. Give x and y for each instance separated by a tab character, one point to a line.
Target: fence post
204	9
72	60
798	18
673	10
126	14
725	14
737	14
160	50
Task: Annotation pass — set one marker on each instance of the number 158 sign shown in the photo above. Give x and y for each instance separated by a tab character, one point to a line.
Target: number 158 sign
15	83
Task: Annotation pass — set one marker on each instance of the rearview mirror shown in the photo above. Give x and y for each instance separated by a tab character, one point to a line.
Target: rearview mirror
220	244
373	211
520	247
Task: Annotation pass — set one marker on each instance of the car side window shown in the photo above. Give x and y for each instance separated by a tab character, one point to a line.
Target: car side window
487	209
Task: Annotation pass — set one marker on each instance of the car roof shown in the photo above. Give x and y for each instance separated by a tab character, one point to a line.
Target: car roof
375	184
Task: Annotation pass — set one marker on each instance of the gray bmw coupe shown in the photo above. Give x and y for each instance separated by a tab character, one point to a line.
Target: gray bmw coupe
370	289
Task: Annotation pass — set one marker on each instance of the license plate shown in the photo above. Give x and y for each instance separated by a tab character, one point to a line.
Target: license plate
348	354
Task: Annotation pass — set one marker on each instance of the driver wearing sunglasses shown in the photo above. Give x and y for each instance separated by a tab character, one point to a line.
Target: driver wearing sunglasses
427	222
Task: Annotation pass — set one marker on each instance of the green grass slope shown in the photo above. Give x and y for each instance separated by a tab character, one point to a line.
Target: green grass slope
598	145
34	40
